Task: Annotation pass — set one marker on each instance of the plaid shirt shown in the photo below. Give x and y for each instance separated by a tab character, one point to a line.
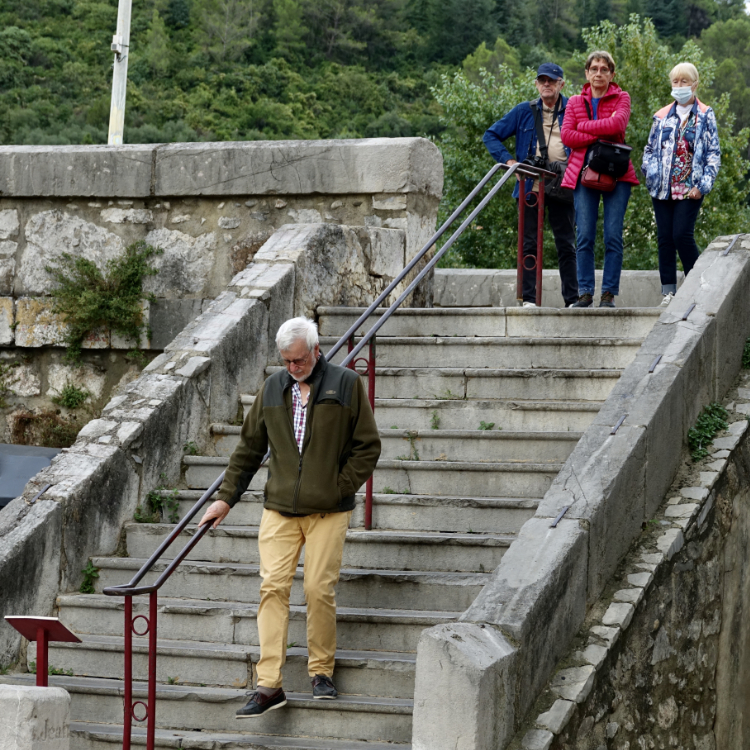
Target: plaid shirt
300	415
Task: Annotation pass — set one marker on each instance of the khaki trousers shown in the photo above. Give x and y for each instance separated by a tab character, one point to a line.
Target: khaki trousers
280	542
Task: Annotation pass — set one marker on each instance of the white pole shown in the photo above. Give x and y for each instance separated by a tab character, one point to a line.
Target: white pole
121	47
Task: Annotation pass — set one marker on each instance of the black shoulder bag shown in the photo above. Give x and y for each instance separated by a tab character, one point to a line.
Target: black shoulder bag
552	188
608	158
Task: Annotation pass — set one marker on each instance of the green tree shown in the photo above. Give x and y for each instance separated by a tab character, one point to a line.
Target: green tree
156	52
491	59
227	27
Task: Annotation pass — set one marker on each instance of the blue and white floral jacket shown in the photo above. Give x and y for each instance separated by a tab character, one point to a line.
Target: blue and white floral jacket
658	156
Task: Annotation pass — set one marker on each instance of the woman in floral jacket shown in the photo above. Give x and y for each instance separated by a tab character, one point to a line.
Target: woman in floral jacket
680	163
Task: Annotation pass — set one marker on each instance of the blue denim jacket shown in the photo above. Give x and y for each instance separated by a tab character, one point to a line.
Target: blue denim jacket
519	122
658	156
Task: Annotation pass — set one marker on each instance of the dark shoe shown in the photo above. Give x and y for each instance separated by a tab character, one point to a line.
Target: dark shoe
259	704
323	688
607	300
585	300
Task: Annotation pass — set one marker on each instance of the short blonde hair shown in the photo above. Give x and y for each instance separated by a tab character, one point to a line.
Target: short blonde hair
600	54
684	69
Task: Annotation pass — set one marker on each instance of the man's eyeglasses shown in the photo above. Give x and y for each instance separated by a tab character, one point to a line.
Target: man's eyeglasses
296	362
546	81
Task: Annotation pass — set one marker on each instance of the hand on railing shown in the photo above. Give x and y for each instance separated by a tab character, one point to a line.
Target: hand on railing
218	510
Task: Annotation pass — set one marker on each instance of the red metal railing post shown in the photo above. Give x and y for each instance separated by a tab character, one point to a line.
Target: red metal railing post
128	697
350	344
371	396
151	728
521	217
42	657
539	242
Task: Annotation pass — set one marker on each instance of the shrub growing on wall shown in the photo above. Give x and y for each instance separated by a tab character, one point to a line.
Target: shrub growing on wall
89	299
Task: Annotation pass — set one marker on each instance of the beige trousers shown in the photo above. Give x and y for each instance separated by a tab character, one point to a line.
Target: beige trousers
280	542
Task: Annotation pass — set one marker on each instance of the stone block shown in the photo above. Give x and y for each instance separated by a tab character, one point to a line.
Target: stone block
618	614
330	265
464	287
37	325
469	668
7	319
541	578
72	171
49	234
194	367
7	265
631	596
573	684
671	542
83	376
9	225
185	266
537	739
366	166
384	251
34	718
127	216
558	716
167	317
603	484
24	381
681	511
694	493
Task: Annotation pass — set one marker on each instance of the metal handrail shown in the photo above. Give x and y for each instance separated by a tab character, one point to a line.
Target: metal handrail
131	589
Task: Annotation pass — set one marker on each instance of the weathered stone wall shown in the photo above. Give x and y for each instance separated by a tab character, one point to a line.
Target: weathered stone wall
500	654
210	208
662	658
138	441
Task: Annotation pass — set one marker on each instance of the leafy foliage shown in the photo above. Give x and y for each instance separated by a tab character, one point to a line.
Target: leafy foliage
160	502
71	396
746	355
90	574
44	428
88	299
712	419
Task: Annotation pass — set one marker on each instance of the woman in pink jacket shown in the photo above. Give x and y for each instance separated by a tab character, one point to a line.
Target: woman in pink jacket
609	106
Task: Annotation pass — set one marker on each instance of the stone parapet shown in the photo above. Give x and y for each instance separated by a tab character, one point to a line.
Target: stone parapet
608	488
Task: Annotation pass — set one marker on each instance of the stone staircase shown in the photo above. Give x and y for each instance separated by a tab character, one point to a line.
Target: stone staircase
477	409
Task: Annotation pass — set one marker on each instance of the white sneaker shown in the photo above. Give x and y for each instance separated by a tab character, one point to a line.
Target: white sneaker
667	299
528	304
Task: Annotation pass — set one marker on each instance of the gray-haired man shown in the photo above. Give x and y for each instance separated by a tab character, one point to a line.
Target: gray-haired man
324	444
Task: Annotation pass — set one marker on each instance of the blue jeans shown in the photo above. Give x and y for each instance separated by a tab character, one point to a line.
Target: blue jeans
675	226
587	212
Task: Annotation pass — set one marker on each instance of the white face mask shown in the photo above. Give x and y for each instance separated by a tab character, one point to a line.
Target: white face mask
683	94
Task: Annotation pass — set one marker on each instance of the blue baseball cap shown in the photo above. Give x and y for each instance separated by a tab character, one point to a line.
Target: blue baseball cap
550	70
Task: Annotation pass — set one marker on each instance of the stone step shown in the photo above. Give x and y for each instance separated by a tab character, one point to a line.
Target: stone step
231	622
390	589
489	479
405	550
209	709
501	515
385	674
458	445
89	736
459	414
462	351
478	383
494	321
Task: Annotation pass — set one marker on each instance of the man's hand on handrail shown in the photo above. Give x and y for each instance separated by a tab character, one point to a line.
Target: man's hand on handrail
218	510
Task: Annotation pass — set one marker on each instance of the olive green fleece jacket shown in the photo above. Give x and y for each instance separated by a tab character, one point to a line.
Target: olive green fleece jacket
339	451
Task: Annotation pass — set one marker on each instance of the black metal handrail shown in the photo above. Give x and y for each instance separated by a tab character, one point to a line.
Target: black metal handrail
131	589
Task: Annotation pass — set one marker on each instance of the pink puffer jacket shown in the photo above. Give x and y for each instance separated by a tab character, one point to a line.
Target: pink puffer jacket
579	132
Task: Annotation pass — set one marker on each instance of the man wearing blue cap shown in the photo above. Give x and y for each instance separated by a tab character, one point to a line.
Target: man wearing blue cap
536	127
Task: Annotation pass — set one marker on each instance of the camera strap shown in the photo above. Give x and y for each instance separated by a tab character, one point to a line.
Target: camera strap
538	123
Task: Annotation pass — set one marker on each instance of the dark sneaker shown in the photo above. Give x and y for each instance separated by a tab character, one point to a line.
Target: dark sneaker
607	300
323	688
259	704
585	300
